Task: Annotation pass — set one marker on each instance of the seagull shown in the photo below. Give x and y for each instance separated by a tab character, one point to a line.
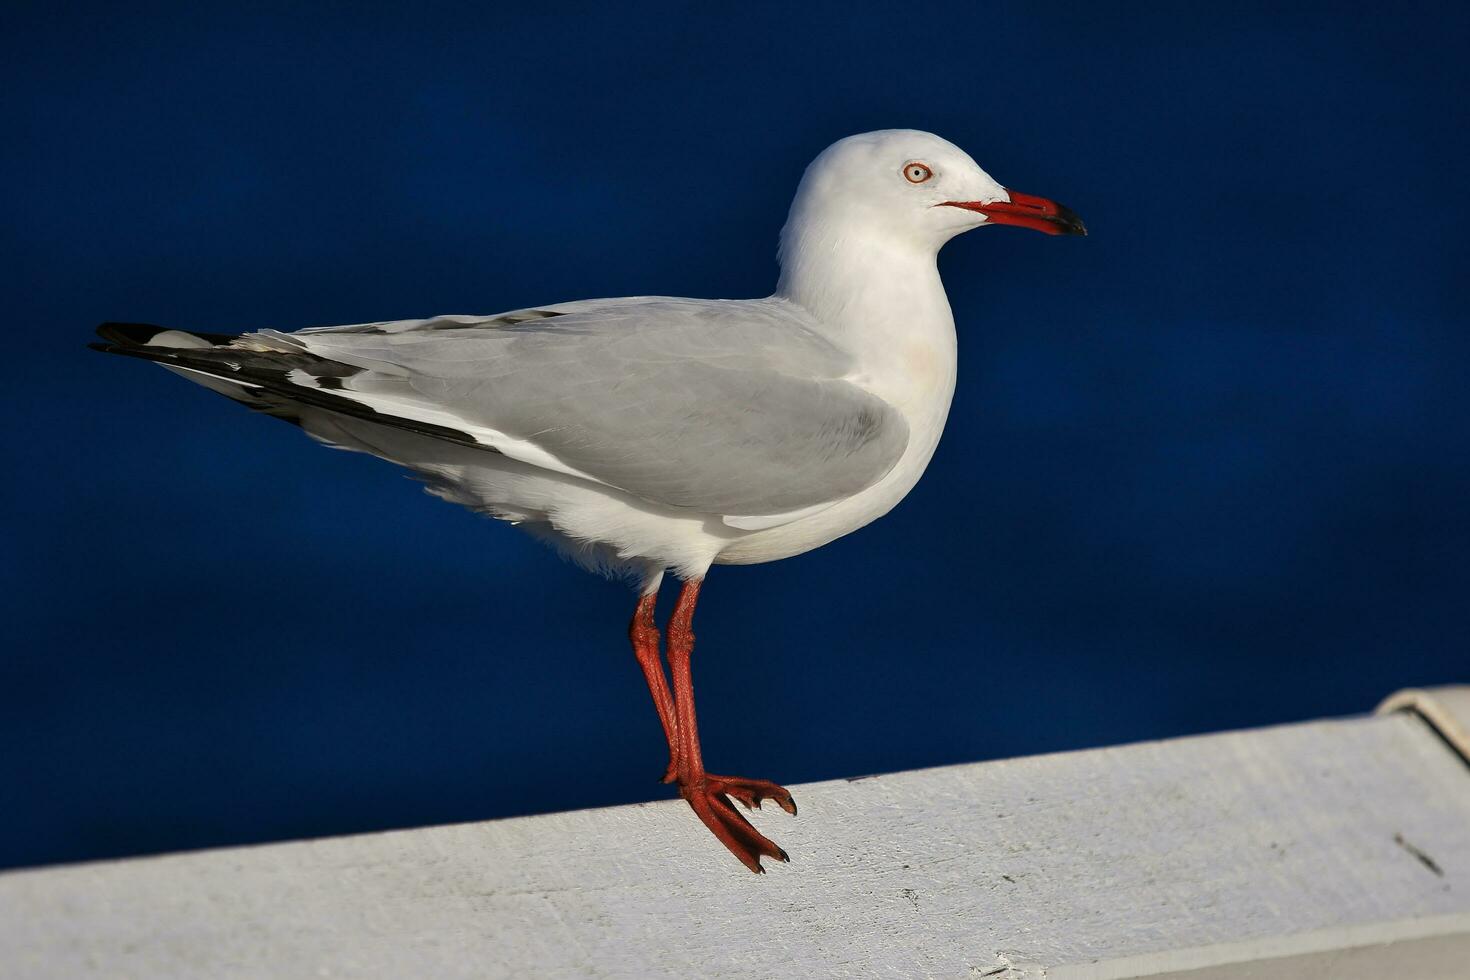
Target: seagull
649	435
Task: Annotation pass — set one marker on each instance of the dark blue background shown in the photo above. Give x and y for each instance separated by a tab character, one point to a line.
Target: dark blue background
1205	469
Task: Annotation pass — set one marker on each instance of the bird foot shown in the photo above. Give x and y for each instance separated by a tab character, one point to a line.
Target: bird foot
709	797
750	792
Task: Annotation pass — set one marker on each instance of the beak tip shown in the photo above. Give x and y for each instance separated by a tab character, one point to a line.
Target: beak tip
1069	223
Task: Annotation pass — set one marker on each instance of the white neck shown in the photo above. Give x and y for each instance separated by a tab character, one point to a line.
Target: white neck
878	297
832	269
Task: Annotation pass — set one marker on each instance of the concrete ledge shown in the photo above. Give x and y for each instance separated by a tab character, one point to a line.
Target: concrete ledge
1335	848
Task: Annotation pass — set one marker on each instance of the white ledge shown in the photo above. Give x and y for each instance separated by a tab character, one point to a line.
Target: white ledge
1333	848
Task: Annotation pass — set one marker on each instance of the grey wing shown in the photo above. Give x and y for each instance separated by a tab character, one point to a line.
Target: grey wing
722	407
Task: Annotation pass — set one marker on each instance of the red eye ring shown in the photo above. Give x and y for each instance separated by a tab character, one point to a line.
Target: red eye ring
916	173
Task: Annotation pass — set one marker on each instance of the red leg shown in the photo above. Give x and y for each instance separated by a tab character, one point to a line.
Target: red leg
708	795
643	631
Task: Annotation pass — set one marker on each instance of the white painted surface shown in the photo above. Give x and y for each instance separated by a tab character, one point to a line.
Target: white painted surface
1335	849
1446	709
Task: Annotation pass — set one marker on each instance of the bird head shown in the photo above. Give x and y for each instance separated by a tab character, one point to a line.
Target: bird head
906	185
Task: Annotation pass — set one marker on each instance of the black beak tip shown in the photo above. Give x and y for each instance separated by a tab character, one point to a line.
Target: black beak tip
1068	222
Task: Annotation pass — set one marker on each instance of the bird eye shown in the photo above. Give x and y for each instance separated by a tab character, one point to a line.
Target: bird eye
917	172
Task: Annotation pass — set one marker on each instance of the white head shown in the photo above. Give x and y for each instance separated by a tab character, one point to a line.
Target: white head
908	189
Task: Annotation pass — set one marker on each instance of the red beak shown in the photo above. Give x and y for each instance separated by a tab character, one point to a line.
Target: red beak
1028	211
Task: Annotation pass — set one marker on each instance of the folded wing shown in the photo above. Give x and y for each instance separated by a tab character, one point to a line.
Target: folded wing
731	408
